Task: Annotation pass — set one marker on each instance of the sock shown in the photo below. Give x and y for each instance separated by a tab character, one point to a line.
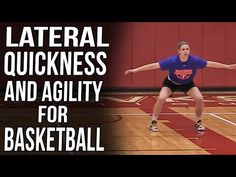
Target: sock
154	117
198	119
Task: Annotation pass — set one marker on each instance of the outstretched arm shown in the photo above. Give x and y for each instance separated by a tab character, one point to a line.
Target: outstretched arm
213	64
147	67
232	66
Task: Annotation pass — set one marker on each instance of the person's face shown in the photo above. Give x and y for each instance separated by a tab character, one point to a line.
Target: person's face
184	50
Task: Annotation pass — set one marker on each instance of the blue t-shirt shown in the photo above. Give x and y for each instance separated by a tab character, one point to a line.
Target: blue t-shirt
182	72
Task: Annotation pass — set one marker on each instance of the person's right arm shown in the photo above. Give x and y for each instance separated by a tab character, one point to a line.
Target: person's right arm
147	67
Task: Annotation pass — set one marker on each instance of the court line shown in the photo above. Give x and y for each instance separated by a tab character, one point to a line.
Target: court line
213	114
182	149
148	114
126	114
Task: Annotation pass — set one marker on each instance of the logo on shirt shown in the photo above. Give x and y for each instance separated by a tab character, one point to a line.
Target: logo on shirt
183	74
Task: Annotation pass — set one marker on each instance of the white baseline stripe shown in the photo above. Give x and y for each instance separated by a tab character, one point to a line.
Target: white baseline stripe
126	114
213	114
163	113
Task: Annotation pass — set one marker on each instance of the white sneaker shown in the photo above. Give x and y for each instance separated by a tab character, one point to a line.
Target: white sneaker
199	126
153	126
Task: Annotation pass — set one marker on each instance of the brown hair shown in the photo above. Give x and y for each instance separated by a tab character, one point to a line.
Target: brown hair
182	43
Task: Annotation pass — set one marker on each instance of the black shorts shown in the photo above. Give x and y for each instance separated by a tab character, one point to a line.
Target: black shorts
173	87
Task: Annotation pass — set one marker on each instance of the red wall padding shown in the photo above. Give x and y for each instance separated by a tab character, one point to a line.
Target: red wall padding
133	44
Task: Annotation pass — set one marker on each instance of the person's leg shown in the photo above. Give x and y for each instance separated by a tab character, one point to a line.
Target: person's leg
198	98
164	94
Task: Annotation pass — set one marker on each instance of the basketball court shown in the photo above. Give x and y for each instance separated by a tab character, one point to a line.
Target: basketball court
122	116
124	121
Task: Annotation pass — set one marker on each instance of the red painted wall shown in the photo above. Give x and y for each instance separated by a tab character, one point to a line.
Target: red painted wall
133	44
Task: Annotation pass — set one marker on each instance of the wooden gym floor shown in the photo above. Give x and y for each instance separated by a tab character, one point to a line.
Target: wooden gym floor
124	121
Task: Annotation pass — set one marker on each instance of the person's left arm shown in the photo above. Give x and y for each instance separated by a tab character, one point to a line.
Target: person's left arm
213	64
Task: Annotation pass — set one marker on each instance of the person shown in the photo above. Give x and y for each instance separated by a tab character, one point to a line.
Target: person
182	70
